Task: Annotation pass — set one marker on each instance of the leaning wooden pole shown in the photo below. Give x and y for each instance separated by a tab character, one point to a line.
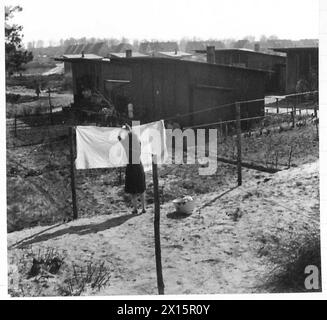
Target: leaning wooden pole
160	282
72	172
239	143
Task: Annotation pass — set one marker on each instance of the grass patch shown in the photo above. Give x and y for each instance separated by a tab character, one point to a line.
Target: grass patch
290	260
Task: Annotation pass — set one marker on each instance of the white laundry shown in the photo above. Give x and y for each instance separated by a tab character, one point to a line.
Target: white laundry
99	147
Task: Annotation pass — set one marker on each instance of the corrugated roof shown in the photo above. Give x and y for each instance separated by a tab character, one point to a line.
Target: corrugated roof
78	49
70	49
96	48
122	47
88	48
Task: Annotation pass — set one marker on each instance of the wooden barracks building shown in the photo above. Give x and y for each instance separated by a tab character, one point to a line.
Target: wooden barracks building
161	88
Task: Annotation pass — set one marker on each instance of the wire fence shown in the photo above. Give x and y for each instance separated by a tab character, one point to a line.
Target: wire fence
38	157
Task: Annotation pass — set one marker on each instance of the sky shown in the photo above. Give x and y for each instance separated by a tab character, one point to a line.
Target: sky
167	19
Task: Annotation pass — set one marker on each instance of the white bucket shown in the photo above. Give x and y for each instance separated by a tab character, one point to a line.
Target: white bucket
184	205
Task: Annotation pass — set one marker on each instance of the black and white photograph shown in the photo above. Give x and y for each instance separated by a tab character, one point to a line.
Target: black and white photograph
162	148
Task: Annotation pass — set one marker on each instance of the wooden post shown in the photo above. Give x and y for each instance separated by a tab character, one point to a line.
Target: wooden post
160	282
239	143
277	105
315	112
72	172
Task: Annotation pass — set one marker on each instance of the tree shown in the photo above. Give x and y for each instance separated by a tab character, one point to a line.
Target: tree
16	56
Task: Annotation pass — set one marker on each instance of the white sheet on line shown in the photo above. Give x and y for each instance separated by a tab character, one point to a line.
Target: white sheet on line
99	147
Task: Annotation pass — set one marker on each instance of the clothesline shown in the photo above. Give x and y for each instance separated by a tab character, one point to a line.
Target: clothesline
231	104
242	119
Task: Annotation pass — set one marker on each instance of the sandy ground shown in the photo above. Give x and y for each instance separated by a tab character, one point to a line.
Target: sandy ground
220	248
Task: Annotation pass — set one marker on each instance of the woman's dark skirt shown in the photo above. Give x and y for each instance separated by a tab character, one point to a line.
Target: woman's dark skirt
135	179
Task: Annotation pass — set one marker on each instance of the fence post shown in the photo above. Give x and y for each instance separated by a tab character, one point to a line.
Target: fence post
72	172
293	116
239	143
277	105
160	282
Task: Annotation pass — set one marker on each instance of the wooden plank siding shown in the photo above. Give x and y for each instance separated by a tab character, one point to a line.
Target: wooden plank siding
162	88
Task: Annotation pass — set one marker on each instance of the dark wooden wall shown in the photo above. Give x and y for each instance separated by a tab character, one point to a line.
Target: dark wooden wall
298	67
162	88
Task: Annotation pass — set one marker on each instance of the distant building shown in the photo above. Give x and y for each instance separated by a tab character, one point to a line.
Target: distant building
70	49
193	46
174	54
152	48
272	63
301	65
159	88
122	47
242	44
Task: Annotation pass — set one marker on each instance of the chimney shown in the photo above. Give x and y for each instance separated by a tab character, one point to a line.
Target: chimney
211	54
257	47
175	51
128	53
82	54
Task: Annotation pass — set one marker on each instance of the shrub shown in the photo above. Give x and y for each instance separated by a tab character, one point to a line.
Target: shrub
290	260
92	277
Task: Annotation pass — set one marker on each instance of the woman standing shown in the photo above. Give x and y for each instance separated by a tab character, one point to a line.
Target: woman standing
134	174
